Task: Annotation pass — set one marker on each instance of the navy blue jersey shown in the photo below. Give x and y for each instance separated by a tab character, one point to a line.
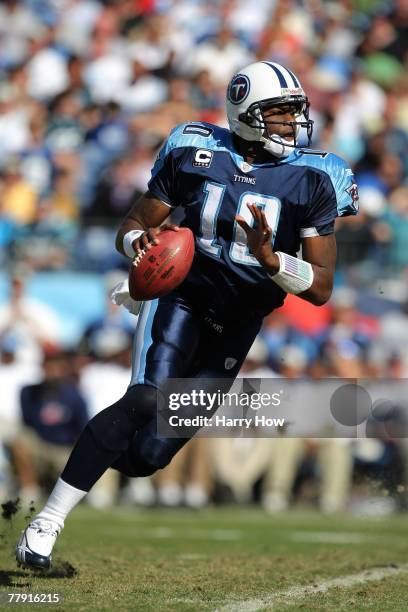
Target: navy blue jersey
199	169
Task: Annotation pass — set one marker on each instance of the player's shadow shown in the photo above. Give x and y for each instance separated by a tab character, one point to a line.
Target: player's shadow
62	569
7	578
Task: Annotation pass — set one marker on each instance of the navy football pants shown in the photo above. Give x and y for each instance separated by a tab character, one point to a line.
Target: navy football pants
174	339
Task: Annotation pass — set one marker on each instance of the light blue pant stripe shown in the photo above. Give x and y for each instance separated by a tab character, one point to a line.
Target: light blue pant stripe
142	341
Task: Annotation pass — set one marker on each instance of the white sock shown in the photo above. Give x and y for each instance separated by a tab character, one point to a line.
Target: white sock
63	498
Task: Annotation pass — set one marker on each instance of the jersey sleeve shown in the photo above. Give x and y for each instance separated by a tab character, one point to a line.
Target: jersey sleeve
335	195
323	229
344	185
163	180
165	183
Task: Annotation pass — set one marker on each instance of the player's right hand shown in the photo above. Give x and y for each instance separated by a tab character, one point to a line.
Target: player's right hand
150	237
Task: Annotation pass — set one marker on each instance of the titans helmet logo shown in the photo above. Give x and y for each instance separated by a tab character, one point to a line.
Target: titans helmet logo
238	89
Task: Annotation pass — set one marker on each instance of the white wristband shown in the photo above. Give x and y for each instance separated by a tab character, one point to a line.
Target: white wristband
128	240
294	276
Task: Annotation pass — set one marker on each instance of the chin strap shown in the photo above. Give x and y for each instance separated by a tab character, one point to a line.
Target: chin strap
278	146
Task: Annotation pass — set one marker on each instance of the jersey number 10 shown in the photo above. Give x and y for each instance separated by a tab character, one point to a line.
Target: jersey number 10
239	252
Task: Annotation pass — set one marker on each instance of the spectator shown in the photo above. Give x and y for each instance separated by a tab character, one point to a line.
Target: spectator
396	219
220	56
205	95
17	24
346	342
113	193
36	157
363	243
187	480
34	324
19	198
13	375
46	58
104	379
53	414
176	109
239	462
144	92
334	458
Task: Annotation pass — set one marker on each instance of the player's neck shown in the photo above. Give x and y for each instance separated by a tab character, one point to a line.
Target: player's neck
252	152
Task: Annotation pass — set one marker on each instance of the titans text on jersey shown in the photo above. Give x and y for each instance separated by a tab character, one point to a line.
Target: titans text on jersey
301	195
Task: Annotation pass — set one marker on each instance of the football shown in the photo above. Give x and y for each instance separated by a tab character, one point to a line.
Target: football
160	269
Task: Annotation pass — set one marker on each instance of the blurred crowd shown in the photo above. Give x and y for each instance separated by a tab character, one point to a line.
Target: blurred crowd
89	90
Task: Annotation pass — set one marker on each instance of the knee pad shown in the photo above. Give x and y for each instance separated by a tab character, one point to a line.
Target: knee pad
143	402
149	447
133	467
114	427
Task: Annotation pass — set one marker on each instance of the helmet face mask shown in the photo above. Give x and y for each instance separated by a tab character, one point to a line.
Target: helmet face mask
254	117
261	87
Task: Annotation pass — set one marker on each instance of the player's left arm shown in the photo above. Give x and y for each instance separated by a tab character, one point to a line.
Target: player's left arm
320	252
311	278
335	194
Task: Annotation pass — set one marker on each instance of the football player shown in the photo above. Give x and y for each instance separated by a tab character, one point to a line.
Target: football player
252	197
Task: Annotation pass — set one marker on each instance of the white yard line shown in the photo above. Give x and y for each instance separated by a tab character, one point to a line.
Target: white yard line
330	537
192	556
342	537
168	533
302	592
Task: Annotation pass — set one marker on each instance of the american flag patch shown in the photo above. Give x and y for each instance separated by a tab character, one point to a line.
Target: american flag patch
295	267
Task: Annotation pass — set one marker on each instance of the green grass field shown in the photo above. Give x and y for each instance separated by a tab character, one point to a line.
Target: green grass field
227	559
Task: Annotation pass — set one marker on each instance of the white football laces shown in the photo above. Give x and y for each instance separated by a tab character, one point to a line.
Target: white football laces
138	257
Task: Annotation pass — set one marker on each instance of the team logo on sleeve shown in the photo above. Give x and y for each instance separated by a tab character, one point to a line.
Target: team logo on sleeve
203	158
353	193
238	89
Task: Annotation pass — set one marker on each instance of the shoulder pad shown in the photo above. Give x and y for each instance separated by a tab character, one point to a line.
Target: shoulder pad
195	134
340	174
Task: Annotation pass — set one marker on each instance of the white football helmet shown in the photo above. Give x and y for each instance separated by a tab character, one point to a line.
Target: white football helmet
258	87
